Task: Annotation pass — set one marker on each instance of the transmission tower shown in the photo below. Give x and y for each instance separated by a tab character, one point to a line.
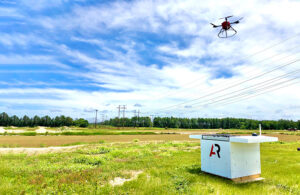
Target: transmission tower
96	119
119	110
124	108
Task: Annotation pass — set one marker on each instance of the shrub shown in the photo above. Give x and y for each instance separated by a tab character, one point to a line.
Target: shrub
28	133
82	122
89	160
99	150
101	142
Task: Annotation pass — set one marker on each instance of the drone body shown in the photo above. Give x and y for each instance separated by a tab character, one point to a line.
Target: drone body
226	28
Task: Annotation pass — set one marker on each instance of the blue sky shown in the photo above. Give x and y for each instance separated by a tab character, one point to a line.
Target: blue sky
71	57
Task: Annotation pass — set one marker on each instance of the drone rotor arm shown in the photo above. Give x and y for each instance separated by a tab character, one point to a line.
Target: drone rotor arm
237	21
215	26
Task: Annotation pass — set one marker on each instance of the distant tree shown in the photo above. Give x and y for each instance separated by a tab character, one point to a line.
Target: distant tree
81	122
15	121
36	121
68	121
26	121
4	119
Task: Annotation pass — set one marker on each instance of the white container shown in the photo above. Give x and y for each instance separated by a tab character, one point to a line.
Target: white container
233	157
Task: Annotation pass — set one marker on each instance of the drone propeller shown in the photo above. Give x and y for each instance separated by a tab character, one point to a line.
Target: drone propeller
226	17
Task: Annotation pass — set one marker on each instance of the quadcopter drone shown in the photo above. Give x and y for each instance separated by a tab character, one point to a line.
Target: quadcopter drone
226	29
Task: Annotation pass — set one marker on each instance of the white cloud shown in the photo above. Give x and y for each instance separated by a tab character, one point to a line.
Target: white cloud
42	60
9	12
24	40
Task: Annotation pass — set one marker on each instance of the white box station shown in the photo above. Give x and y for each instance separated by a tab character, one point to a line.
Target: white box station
233	157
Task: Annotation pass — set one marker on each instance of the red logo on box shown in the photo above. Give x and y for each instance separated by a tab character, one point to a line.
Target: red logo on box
212	150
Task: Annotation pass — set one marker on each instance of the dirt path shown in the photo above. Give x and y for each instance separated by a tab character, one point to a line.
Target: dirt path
2	130
32	151
38	141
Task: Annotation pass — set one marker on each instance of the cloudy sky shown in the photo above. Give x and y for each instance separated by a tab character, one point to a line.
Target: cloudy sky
160	57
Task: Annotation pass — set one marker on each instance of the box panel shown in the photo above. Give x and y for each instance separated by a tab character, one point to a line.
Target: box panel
215	157
245	159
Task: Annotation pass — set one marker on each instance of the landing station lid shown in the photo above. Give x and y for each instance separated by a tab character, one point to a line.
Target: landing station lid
218	137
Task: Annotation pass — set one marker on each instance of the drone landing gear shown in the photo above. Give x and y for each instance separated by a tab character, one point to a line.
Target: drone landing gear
224	34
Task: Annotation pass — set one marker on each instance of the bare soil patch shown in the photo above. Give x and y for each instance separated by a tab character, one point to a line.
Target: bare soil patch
32	151
120	181
38	141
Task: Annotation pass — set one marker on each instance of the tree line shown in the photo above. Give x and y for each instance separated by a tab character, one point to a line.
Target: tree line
26	121
129	122
202	123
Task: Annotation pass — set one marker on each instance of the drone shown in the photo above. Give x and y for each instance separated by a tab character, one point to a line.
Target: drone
226	29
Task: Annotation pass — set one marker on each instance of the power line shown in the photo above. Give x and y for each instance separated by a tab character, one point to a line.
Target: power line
221	101
235	83
265	49
247	80
245	93
222	85
256	85
252	78
226	103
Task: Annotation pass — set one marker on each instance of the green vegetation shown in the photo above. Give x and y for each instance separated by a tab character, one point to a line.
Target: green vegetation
81	123
25	121
161	122
166	168
202	123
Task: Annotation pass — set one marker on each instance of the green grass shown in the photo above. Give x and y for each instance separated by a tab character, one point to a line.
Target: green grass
168	168
291	133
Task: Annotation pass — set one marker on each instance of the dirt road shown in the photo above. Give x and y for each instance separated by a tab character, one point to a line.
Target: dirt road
42	141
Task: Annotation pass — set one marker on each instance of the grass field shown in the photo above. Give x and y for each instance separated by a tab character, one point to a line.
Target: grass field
164	168
44	141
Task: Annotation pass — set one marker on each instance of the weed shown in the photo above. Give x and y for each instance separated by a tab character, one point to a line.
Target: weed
89	160
181	184
99	150
43	145
28	134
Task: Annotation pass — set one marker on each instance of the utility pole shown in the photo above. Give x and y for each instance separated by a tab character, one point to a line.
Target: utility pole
96	119
103	119
151	119
134	118
124	108
138	117
119	109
